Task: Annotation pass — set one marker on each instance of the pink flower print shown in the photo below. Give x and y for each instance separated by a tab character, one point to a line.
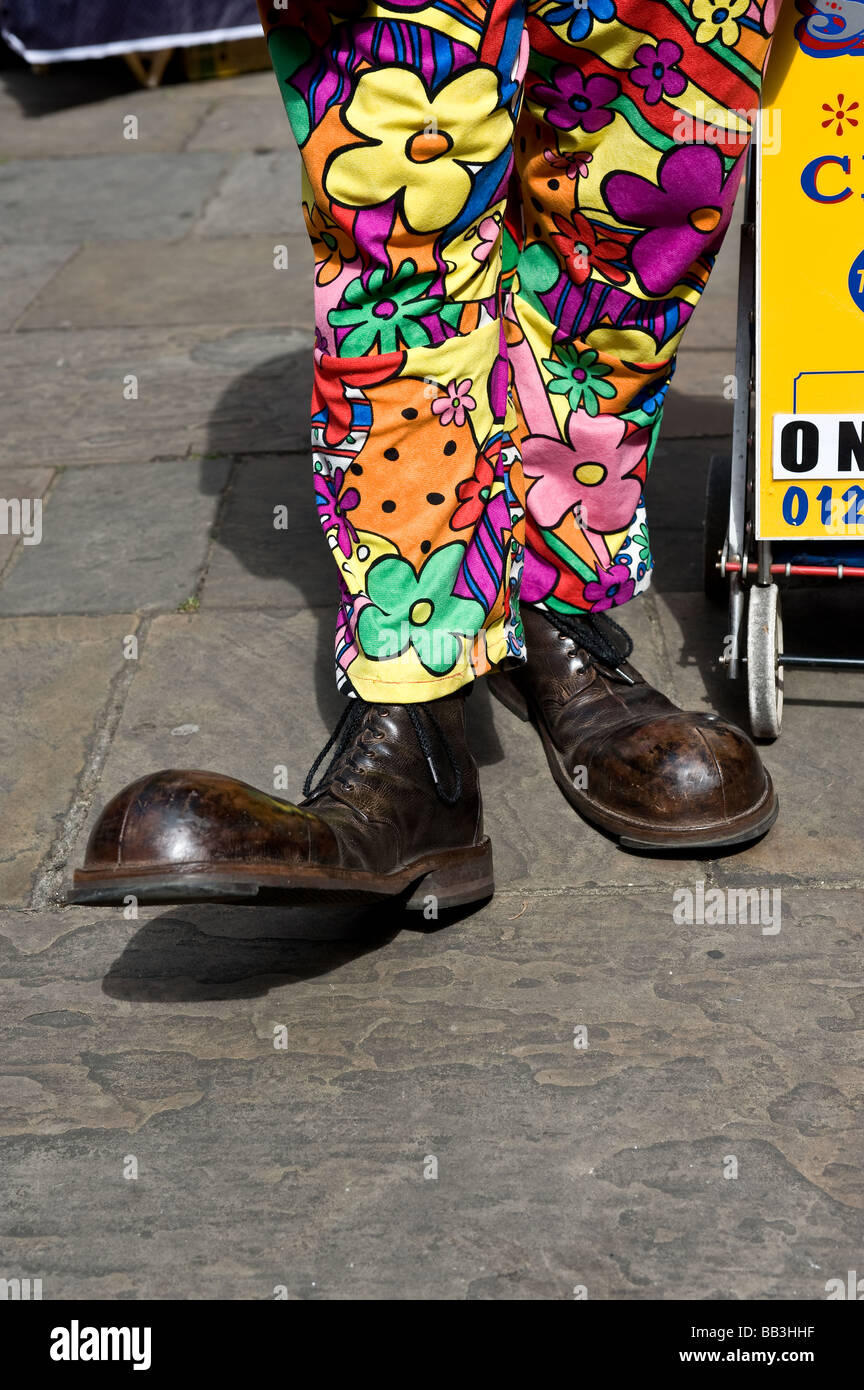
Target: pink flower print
573	165
487	234
601	469
451	409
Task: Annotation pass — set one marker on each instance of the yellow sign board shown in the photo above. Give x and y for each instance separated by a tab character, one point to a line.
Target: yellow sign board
810	276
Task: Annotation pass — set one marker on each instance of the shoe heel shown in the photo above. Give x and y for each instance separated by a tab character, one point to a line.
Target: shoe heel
504	688
467	877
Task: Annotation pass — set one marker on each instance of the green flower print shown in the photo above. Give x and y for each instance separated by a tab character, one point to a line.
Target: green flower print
579	377
642	544
418	610
385	312
289	50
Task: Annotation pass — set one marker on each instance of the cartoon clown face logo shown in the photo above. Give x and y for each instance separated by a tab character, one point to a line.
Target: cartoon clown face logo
831	27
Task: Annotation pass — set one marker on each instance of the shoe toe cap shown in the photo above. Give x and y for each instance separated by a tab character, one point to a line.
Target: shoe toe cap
178	817
681	767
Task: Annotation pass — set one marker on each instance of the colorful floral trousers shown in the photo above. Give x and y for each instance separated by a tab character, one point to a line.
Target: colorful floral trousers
514	210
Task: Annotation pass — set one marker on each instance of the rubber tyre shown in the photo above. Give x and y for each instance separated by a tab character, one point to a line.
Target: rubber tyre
764	674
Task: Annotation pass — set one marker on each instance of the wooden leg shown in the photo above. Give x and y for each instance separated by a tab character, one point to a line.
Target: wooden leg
150	69
158	65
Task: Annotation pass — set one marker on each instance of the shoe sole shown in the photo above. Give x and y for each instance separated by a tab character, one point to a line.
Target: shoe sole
452	878
738	832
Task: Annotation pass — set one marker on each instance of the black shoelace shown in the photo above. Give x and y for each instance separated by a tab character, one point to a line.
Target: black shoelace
346	731
588	634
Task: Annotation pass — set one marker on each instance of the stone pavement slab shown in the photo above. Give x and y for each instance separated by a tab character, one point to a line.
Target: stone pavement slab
259	195
138	539
677	557
24	271
217	280
256	565
256	123
675	497
165	121
705	372
429	1129
675	490
695	405
55	679
713	326
245	87
201	390
104	197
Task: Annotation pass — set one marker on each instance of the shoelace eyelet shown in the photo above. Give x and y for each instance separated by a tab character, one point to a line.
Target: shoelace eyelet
347	727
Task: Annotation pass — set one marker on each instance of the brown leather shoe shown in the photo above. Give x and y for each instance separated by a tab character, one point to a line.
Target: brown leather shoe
630	761
397	811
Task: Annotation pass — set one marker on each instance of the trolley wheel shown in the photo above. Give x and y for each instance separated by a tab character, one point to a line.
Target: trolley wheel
764	672
716	524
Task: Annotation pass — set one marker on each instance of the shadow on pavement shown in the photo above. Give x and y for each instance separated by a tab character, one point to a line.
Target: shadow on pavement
68	85
244	953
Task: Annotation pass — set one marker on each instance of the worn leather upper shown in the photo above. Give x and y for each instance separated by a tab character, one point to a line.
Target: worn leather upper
645	759
378	810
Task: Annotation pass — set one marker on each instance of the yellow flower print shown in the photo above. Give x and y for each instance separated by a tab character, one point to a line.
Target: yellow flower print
718	19
421	146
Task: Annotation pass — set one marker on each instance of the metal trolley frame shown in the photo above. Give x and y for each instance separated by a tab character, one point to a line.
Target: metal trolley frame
737	565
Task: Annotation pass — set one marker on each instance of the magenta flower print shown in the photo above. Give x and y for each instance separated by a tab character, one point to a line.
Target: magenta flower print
601	469
655	70
539	578
686	213
573	100
332	507
451	409
612	586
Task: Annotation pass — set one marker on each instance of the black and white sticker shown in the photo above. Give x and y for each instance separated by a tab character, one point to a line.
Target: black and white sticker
818	446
